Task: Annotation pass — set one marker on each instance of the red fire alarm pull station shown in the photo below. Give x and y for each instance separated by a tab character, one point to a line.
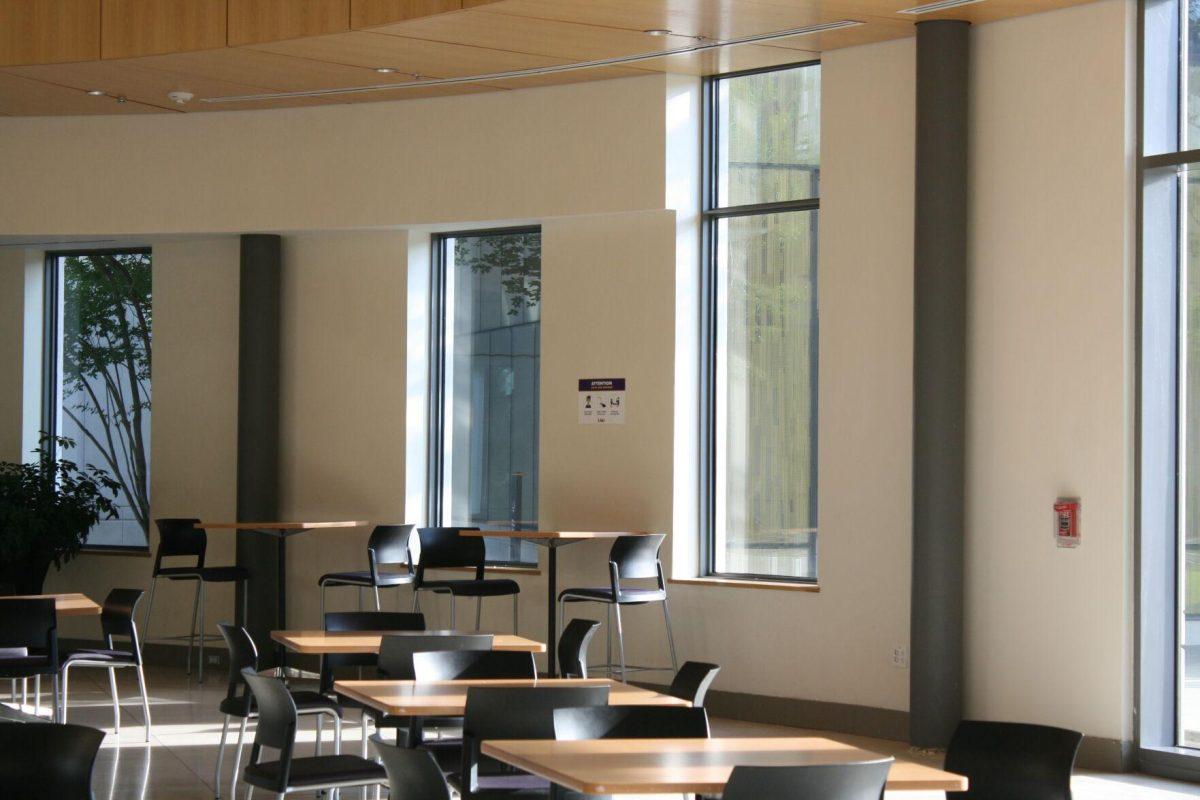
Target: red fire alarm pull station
1066	522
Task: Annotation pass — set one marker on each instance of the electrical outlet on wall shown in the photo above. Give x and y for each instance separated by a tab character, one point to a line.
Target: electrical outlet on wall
213	658
900	657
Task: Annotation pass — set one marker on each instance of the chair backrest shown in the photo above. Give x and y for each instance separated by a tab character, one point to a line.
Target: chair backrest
346	621
862	780
455	665
1012	759
179	536
443	547
276	721
389	544
692	681
396	652
48	760
243	654
631	722
637	556
412	774
573	647
116	618
516	713
32	624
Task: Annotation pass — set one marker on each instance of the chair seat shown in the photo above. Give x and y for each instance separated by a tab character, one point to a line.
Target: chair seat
520	783
605	595
488	587
206	574
317	771
364	579
122	657
306	703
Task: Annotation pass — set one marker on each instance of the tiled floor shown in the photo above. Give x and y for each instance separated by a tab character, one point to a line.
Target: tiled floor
178	762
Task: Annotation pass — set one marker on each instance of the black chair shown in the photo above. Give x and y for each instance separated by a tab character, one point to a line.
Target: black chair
359	621
277	722
116	619
573	647
1011	759
630	722
396	663
47	761
631	558
861	780
490	715
411	774
692	681
459	665
443	548
389	544
239	703
180	538
29	636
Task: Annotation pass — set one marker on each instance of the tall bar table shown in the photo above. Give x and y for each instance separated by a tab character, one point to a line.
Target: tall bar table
552	540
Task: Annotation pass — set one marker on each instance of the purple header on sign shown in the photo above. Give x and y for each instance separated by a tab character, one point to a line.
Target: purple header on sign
601	384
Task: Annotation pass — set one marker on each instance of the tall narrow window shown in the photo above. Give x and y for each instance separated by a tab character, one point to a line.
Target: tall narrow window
487	342
98	377
763	178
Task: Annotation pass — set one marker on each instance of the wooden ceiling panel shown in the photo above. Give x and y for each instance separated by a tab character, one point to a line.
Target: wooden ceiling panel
976	13
429	59
49	31
369	13
31	98
134	81
133	28
415	93
255	21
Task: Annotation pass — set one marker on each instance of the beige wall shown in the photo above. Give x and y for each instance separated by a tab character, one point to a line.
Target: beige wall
583	148
1048	637
12	321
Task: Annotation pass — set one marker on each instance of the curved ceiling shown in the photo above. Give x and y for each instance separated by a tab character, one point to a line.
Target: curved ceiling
133	53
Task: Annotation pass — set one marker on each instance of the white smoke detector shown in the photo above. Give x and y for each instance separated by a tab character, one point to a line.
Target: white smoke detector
180	98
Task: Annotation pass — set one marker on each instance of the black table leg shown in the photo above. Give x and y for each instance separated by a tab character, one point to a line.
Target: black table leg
281	603
551	591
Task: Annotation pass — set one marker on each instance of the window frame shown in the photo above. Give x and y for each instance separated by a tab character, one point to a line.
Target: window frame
52	375
435	456
711	215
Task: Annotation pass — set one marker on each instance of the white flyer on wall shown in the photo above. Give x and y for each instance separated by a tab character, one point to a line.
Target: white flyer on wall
601	401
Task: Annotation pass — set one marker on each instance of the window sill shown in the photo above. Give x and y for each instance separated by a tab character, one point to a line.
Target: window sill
742	583
136	552
489	568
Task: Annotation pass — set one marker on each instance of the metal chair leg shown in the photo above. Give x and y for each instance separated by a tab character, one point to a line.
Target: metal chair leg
478	611
57	706
141	676
378	607
66	672
201	675
246	606
192	637
608	638
237	760
453	626
320	725
221	756
670	635
37	695
620	639
149	608
112	685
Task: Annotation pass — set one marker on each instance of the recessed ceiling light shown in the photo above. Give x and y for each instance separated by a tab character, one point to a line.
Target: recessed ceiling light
385	70
941	5
657	32
96	92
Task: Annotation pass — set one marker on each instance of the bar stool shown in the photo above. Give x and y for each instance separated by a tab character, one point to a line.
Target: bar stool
389	544
442	548
631	558
179	537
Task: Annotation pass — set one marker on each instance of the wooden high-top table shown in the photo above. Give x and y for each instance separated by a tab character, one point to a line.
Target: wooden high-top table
71	604
692	766
280	531
552	540
365	642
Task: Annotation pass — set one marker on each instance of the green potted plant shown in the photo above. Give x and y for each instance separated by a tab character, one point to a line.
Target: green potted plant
46	510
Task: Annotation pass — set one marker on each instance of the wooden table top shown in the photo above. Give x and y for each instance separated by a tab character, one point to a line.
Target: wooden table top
449	698
281	526
317	642
700	766
70	604
554	534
